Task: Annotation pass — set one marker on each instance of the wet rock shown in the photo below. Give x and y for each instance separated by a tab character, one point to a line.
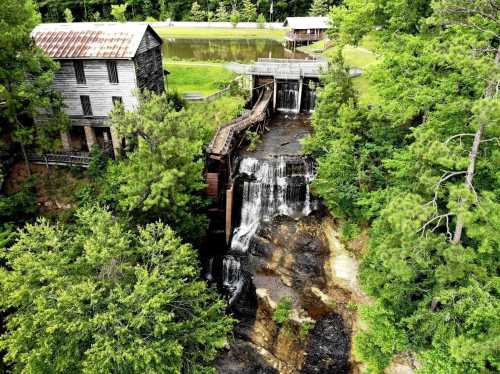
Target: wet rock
329	347
343	266
243	358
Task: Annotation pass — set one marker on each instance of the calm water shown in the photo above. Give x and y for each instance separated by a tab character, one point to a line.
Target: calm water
237	50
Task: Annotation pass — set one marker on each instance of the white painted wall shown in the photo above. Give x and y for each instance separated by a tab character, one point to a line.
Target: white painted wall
218	25
97	86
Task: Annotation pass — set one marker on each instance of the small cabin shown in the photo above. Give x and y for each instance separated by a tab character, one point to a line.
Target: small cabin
305	30
101	64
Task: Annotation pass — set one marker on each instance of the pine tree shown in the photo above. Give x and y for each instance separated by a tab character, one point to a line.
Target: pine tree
162	178
249	11
197	14
107	300
420	167
319	8
221	14
68	16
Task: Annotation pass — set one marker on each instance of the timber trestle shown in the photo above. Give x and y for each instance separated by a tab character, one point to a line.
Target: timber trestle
225	138
220	165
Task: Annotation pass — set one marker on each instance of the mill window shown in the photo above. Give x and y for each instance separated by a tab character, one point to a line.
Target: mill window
86	107
117	100
79	72
112	72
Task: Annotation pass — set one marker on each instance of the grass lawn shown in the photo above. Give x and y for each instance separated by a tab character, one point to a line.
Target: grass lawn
197	77
358	57
316	46
220	111
211	33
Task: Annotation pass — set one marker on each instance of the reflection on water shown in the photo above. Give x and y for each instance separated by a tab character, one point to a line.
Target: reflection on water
238	50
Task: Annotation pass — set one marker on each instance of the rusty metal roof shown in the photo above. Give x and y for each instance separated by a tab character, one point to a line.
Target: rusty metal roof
86	40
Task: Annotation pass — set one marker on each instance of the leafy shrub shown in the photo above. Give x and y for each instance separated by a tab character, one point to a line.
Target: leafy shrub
86	195
254	139
98	162
261	21
6	236
176	99
281	314
20	206
305	328
234	18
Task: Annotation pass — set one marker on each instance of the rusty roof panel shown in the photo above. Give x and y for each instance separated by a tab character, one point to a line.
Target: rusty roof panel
89	40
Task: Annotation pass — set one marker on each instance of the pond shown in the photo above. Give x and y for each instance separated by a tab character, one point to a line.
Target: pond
237	50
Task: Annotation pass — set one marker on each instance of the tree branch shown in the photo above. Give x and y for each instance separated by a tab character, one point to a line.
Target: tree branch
472	158
438	218
458	136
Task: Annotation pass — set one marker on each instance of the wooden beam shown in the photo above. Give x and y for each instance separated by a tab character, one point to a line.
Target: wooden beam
229	213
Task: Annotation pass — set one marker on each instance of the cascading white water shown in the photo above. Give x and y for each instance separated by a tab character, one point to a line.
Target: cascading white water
231	276
287	96
311	101
271	187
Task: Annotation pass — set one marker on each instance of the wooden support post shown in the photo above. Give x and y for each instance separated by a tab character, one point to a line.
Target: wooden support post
275	93
299	99
66	140
115	139
90	136
229	213
252	86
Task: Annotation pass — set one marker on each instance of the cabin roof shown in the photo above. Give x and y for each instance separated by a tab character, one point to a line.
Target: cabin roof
305	23
87	40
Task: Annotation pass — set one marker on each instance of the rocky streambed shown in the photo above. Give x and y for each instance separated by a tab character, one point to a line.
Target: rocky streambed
286	251
299	260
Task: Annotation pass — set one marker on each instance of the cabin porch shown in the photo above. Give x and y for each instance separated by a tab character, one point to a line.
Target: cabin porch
83	138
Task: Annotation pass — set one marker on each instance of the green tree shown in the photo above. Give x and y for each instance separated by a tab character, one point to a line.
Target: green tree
261	21
94	297
26	80
221	14
68	15
422	167
249	11
235	18
118	12
162	177
319	8
197	14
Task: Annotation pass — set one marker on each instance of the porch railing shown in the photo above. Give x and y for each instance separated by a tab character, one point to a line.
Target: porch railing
81	159
312	37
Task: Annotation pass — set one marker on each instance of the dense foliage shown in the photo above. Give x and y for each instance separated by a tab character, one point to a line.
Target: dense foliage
21	97
94	297
420	166
161	176
139	10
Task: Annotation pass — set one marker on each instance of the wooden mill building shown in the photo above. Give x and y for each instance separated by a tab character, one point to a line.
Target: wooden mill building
101	64
305	30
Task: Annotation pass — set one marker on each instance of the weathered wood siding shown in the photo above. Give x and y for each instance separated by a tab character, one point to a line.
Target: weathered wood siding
97	86
149	70
148	42
149	64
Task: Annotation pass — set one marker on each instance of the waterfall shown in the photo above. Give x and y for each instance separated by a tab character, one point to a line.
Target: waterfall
271	187
232	279
287	96
312	101
309	98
